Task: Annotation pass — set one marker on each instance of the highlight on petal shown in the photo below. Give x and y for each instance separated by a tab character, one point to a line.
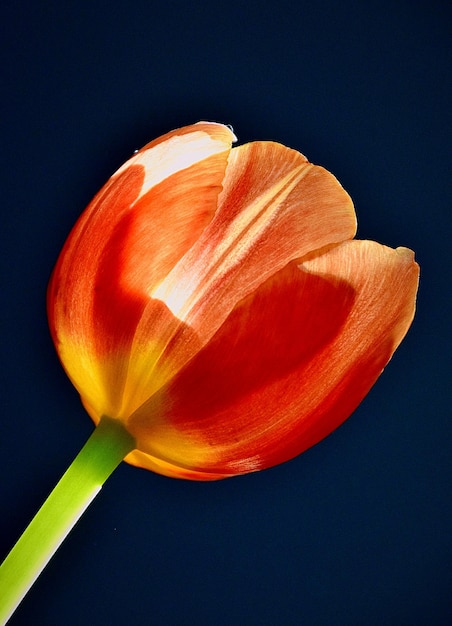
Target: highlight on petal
275	206
290	364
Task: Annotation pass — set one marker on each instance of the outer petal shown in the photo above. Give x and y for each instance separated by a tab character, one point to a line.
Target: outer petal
288	366
134	231
275	206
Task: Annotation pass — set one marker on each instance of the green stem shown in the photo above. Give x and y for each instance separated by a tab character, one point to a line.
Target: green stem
83	480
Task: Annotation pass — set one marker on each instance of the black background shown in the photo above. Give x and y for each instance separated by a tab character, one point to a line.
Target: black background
355	531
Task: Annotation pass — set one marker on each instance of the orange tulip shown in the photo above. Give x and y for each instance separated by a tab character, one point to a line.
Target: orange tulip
213	300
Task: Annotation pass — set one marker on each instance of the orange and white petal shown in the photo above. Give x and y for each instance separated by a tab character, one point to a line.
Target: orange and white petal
275	206
134	231
289	365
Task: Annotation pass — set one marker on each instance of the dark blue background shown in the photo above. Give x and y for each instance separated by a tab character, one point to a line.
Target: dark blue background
357	530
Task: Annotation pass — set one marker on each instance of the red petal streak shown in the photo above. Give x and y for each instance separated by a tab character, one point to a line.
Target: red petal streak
288	366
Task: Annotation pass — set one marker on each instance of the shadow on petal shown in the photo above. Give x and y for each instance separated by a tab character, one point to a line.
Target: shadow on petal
269	335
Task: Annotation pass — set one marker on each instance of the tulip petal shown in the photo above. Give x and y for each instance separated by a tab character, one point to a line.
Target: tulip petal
289	365
275	206
134	231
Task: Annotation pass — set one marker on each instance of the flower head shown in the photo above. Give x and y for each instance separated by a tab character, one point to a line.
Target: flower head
214	301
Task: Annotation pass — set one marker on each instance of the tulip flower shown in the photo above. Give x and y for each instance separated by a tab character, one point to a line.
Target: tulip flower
215	313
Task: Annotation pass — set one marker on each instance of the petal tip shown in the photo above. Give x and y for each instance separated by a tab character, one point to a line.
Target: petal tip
224	127
406	253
